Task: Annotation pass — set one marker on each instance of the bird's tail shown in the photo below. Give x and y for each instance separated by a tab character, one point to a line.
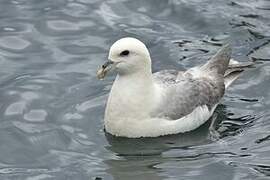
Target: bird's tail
219	62
222	64
234	70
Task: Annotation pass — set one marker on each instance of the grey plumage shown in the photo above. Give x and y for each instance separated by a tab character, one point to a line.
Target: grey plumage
186	90
219	62
234	71
187	93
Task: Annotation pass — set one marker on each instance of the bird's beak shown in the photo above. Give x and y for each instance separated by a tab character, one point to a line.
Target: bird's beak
101	73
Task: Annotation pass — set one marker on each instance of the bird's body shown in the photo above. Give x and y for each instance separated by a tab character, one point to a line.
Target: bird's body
142	104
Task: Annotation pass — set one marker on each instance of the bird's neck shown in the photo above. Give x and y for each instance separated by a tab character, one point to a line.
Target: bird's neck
132	97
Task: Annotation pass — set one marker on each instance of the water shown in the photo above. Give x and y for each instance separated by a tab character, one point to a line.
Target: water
52	105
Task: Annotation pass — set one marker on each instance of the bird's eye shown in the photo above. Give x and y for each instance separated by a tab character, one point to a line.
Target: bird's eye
124	53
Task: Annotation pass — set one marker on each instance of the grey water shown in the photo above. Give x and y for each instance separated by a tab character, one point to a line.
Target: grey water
52	105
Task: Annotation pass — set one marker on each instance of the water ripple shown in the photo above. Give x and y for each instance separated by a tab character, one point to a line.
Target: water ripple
52	105
36	115
14	43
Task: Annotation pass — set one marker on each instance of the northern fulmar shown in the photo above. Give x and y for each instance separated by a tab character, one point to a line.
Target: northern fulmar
146	104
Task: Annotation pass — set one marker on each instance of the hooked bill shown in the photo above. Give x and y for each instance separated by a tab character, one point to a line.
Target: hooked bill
101	73
107	66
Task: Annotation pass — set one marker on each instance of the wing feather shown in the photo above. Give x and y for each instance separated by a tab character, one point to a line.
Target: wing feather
183	92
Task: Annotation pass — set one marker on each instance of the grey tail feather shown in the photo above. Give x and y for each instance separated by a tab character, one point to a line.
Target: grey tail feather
234	71
220	61
241	65
231	75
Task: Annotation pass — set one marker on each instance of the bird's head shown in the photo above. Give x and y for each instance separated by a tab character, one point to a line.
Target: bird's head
126	56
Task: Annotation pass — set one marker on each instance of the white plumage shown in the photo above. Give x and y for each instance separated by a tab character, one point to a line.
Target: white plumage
142	104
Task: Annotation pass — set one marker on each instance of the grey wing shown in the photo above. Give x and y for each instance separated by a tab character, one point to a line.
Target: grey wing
186	93
167	76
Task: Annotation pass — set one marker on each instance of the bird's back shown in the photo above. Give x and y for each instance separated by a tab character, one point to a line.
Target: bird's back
183	92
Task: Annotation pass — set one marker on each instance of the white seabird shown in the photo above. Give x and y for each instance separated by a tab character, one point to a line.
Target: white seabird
142	104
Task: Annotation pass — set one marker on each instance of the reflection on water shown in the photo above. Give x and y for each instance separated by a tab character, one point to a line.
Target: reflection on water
52	105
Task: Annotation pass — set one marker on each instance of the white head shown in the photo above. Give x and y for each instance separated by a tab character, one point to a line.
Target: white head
127	55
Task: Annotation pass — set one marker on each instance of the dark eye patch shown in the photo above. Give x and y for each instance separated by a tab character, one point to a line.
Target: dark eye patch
124	53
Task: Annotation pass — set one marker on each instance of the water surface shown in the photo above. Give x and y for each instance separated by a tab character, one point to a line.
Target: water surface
52	105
